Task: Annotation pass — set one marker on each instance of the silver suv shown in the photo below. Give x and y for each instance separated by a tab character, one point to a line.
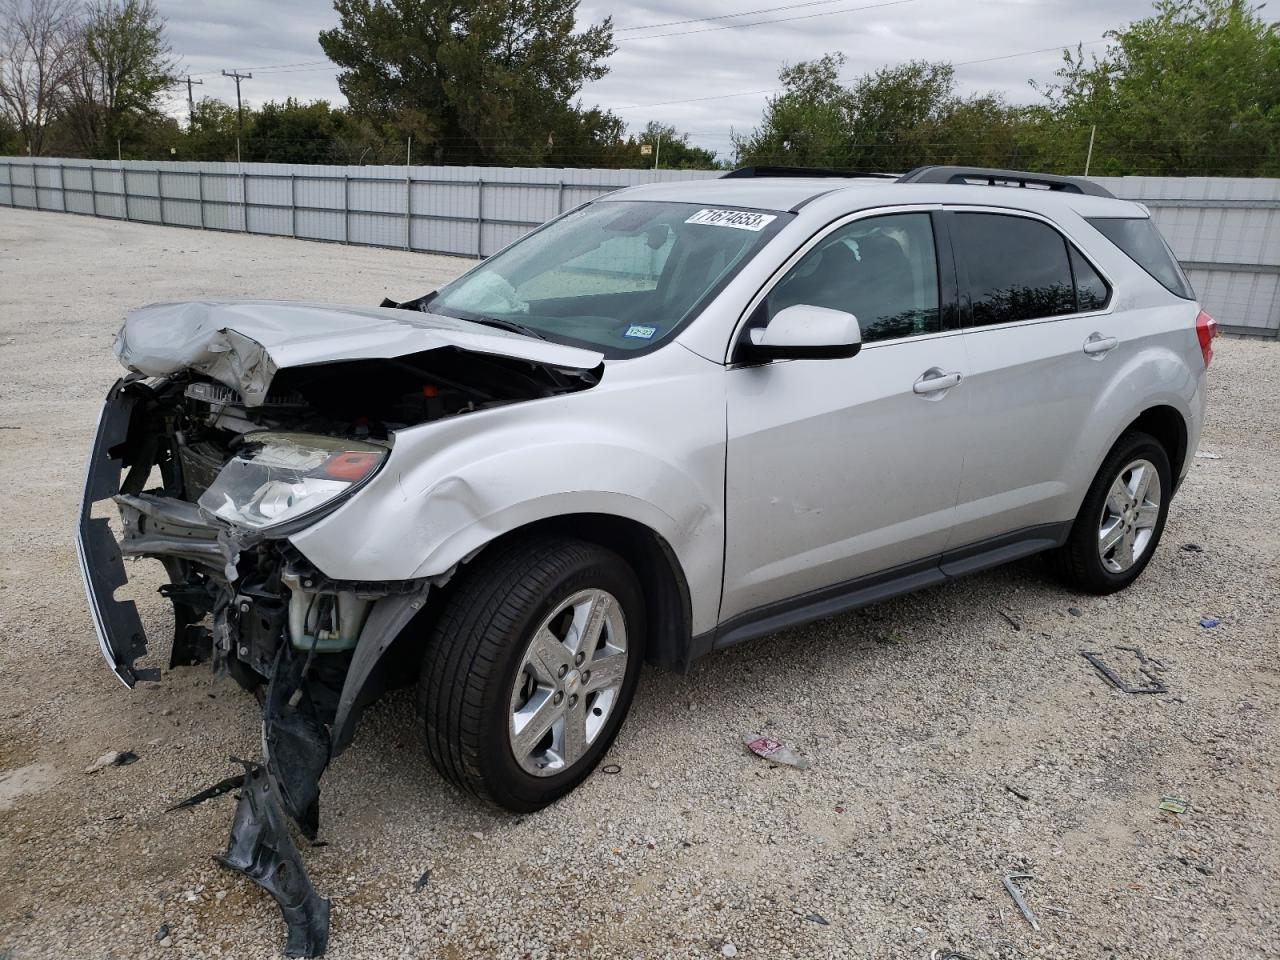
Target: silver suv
673	419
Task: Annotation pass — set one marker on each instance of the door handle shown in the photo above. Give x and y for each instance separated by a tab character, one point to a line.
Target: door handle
933	380
1097	344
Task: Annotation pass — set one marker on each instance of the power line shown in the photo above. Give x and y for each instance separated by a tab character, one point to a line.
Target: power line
747	93
237	76
726	16
759	23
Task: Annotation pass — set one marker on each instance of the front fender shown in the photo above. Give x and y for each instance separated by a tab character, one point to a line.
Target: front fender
647	445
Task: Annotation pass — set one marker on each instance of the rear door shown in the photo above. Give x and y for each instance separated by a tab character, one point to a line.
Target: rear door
842	468
1041	338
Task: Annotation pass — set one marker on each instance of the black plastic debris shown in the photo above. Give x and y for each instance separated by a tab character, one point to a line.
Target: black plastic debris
1147	667
1192	548
217	790
261	848
162	932
819	919
423	880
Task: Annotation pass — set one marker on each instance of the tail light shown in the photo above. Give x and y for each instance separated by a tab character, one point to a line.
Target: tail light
1206	330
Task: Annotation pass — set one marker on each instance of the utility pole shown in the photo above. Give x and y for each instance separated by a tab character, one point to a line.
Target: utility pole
1089	158
237	76
191	99
657	152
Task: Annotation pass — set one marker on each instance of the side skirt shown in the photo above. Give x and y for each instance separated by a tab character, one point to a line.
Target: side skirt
875	587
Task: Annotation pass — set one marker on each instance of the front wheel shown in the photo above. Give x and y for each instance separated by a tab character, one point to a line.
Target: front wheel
1121	519
530	670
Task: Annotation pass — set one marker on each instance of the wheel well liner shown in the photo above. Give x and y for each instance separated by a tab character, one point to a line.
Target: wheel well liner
1170	429
662	581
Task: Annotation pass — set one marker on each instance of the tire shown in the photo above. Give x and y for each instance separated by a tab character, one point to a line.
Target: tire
479	665
1082	562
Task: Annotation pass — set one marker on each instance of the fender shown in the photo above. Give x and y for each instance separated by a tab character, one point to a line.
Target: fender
646	444
1167	358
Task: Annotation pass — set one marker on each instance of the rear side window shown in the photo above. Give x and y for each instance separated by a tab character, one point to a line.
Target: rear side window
1141	241
1014	268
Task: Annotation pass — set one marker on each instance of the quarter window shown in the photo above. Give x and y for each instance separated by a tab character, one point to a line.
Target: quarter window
883	270
1016	268
1092	292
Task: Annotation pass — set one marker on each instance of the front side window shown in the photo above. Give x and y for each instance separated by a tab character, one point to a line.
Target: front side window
883	270
1016	268
617	275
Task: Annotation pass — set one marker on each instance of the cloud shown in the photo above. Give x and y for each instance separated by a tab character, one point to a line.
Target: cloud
278	42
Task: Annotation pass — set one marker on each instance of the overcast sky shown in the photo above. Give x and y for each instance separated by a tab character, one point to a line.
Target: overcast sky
277	41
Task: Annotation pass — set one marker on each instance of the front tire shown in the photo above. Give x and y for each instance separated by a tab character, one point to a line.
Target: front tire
1121	520
530	670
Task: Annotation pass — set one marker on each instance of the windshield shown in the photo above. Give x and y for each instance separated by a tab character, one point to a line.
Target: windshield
617	275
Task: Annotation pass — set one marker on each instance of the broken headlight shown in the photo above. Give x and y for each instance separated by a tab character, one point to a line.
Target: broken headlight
275	478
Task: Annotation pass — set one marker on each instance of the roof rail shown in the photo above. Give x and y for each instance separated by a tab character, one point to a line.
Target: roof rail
1005	178
774	171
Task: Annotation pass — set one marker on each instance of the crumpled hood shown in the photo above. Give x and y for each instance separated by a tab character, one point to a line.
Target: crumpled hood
243	343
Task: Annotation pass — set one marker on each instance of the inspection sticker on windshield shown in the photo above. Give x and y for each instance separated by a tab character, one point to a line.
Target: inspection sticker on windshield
738	219
640	332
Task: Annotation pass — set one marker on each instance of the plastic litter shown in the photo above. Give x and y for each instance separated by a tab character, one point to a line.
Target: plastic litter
423	880
1206	455
112	758
1016	894
1209	622
1192	548
1171	804
1147	666
1013	622
774	750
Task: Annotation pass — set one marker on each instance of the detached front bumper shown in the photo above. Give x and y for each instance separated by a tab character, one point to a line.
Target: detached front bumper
118	626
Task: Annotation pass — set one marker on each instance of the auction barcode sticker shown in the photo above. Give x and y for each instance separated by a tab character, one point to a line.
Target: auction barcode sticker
738	219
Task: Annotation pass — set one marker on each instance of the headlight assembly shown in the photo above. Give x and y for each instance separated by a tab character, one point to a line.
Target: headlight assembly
275	478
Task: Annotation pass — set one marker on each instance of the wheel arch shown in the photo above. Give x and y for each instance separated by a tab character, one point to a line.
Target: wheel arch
1169	427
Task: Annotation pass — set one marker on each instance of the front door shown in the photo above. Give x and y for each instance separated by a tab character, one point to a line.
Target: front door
838	469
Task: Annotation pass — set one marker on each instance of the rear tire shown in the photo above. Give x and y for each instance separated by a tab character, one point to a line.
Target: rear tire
1120	522
486	689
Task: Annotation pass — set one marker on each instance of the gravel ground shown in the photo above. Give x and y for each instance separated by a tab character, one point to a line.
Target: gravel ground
948	748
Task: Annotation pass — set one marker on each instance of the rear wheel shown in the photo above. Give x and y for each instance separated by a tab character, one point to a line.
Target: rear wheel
1121	519
530	670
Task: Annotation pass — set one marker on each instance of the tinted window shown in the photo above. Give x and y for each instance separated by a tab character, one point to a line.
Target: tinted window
883	270
1017	268
1091	290
1139	238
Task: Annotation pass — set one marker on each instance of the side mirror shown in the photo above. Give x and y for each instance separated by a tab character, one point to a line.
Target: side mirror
804	332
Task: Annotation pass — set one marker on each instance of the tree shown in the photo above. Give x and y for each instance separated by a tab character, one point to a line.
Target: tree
892	119
122	68
294	132
1194	89
211	132
672	150
35	60
471	80
807	124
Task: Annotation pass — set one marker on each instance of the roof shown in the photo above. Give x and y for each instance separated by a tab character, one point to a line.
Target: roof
788	193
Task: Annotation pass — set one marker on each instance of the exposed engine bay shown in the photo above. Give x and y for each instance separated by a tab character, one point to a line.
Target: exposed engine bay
211	466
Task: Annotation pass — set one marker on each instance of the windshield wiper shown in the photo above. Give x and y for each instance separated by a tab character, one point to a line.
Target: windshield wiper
510	326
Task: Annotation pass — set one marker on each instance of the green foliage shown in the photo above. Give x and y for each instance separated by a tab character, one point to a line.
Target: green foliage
1192	90
473	81
294	132
121	72
672	150
211	131
892	119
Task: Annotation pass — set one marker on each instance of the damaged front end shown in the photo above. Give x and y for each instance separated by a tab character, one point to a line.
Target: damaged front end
212	464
